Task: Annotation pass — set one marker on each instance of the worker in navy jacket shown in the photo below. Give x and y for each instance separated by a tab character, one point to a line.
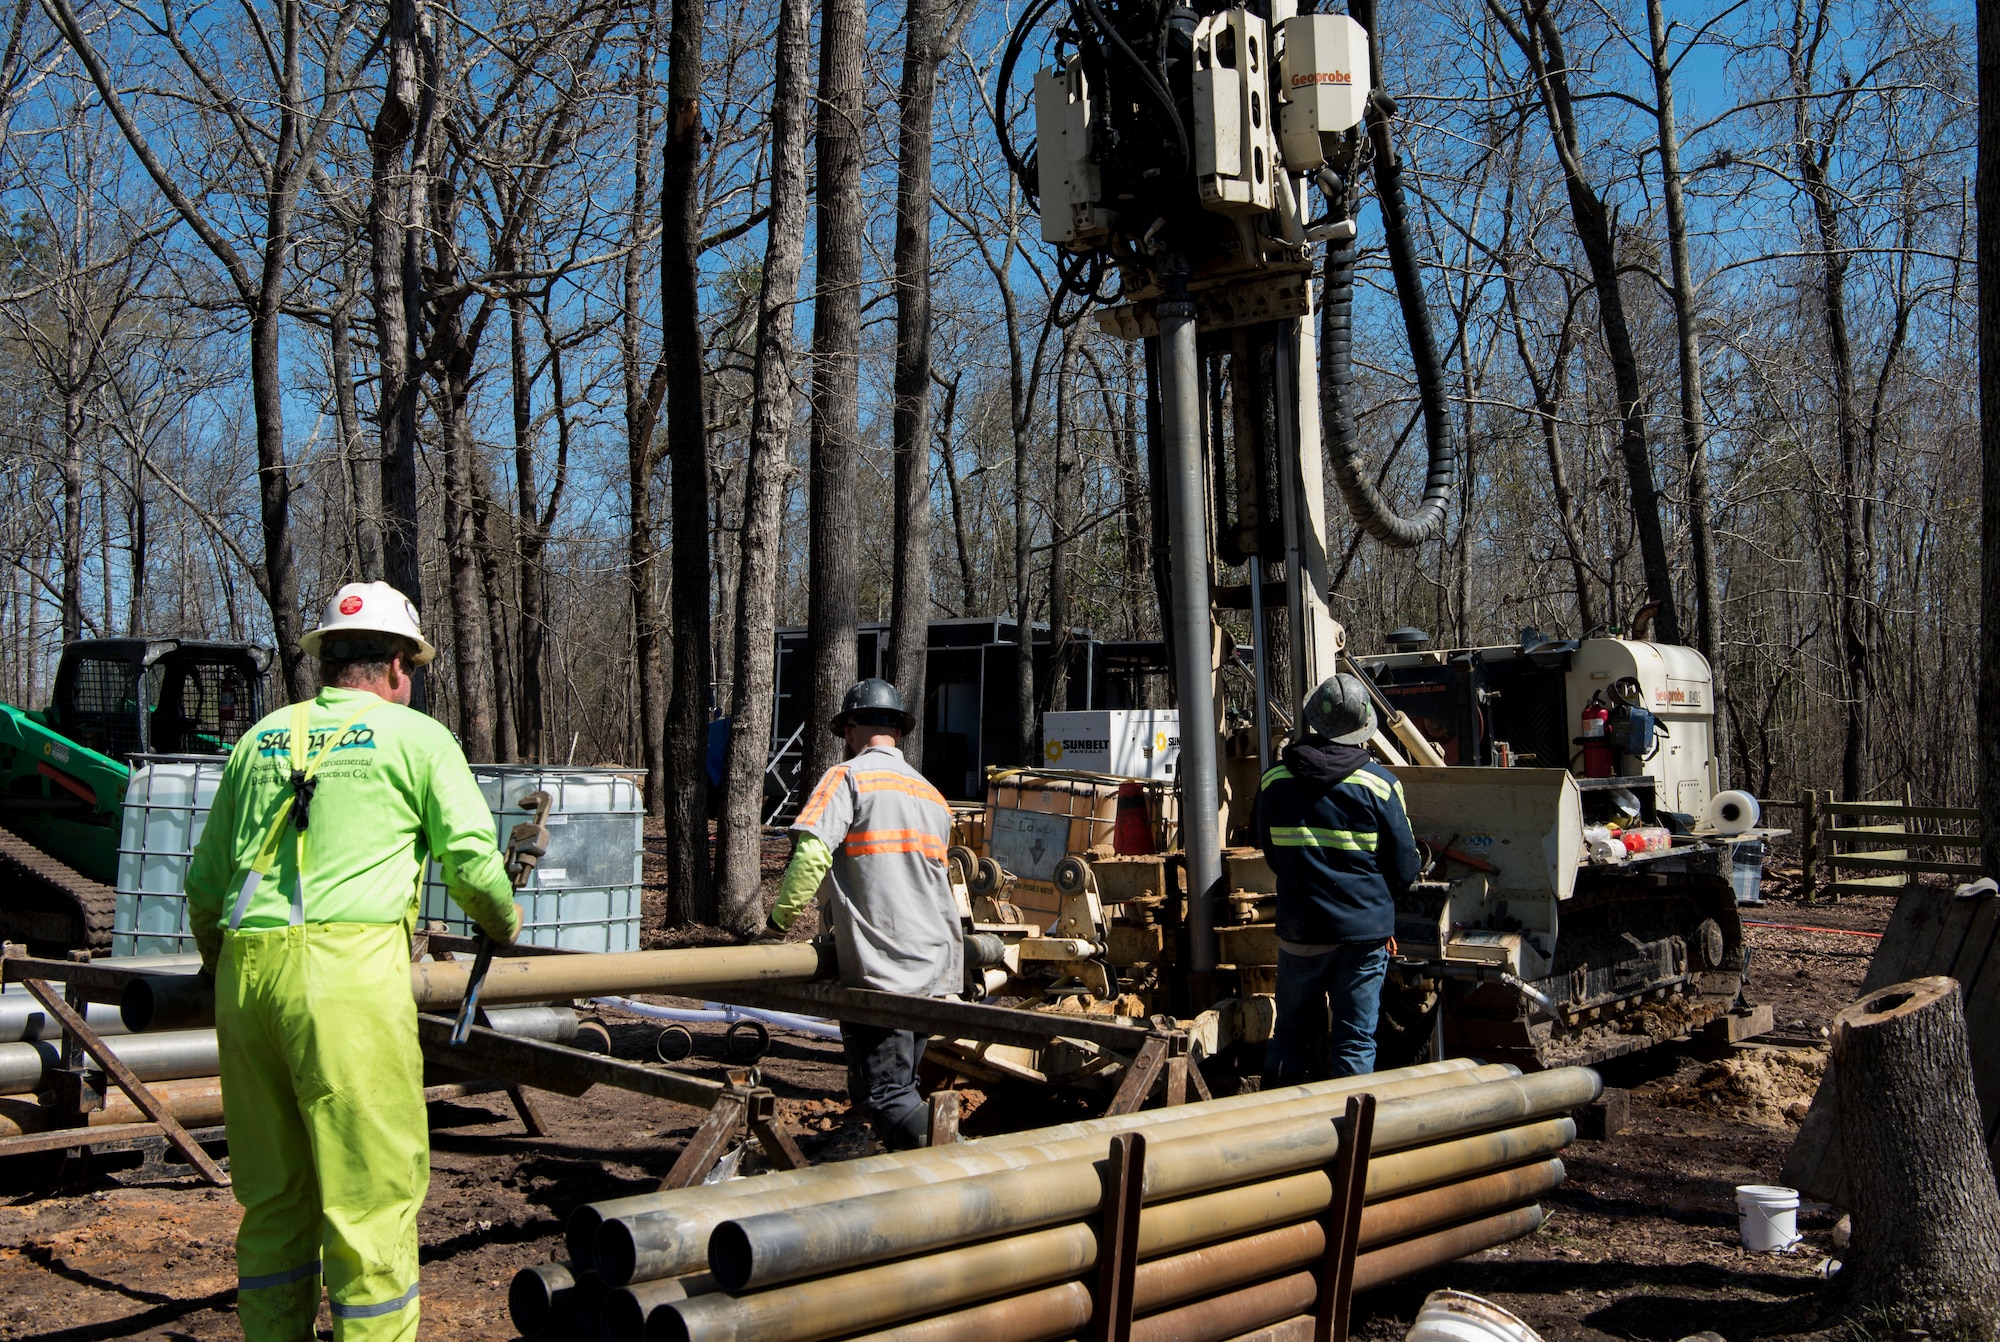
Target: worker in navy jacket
1332	824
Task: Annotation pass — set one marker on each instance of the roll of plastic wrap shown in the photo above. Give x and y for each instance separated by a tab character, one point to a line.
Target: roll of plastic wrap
1731	812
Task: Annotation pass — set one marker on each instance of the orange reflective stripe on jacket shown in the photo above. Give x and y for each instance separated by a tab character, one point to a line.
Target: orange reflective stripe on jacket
816	804
884	780
860	843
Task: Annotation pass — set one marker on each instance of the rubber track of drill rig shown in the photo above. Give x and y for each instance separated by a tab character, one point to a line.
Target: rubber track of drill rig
37	891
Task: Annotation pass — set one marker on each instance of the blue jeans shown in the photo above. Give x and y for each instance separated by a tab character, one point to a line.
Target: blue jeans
1350	981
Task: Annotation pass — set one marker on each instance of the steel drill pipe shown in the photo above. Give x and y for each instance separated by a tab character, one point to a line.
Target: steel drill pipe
1181	402
194	1103
758	1251
625	1310
24	1020
1221	1317
172	1055
536	1294
1057	1311
874	1297
665	1234
169	1056
150	1003
587	1219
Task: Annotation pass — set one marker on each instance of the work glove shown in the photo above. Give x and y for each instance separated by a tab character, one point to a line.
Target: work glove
526	845
509	938
771	933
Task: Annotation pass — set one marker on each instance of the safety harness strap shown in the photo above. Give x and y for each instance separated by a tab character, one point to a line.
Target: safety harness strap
304	763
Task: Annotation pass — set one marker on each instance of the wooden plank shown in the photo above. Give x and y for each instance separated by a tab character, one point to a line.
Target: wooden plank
1897	862
1899	809
1858	837
1869	885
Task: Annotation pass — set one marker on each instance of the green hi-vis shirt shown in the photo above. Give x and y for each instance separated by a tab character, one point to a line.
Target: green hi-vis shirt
392	791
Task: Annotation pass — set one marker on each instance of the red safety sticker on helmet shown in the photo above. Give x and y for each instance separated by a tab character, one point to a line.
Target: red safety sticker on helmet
349	605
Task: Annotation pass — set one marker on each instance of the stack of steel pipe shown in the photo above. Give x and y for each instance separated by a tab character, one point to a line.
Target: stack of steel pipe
997	1239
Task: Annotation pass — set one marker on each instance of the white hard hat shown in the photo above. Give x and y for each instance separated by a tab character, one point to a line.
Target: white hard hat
369	607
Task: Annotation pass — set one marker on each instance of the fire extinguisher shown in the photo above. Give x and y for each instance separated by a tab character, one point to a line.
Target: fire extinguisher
1598	760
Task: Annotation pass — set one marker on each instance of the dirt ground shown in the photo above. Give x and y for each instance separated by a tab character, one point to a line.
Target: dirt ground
1641	1242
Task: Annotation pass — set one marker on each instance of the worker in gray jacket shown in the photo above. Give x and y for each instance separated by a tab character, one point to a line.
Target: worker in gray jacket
879	831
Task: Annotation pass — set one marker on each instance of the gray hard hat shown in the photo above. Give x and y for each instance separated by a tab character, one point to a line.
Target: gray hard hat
872	701
1340	709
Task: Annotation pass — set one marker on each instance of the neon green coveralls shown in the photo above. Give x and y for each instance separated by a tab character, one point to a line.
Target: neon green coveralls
322	1079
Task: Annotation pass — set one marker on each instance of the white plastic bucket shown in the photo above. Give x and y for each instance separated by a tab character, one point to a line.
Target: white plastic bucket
1455	1316
1768	1217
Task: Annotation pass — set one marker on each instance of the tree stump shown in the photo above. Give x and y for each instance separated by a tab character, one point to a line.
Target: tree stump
1926	1246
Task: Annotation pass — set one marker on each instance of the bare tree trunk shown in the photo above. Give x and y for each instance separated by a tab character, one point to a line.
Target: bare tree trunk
1854	607
135	530
1548	393
910	615
1028	738
1694	428
739	847
1134	500
396	222
690	896
1541	44
1055	696
642	411
832	610
1926	1250
961	543
535	516
1989	423
274	488
72	481
468	606
493	586
364	473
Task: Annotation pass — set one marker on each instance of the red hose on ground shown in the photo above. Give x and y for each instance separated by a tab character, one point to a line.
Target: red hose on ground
1796	927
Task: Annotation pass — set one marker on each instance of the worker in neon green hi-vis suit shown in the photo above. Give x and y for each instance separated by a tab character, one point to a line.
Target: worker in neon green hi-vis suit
302	898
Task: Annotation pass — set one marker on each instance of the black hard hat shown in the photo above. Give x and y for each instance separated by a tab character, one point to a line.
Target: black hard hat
871	701
1340	709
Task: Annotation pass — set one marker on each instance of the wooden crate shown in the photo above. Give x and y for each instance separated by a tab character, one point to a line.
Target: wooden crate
1034	818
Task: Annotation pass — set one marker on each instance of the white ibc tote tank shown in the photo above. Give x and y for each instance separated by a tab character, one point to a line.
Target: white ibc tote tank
584	896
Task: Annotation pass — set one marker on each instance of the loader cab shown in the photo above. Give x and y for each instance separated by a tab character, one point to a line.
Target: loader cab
158	696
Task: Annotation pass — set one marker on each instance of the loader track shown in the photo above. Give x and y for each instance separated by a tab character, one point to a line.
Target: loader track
49	905
1605	1015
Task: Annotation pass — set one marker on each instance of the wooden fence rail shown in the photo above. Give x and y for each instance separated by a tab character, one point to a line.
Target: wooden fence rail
1832	835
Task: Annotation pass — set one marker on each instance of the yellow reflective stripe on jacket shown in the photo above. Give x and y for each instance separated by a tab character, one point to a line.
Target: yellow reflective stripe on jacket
1381	787
1313	836
1277	773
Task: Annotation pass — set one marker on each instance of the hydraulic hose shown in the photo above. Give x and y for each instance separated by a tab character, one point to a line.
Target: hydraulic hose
1364	500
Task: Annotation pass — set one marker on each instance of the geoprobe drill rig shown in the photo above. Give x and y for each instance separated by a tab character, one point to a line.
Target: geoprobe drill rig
1179	149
